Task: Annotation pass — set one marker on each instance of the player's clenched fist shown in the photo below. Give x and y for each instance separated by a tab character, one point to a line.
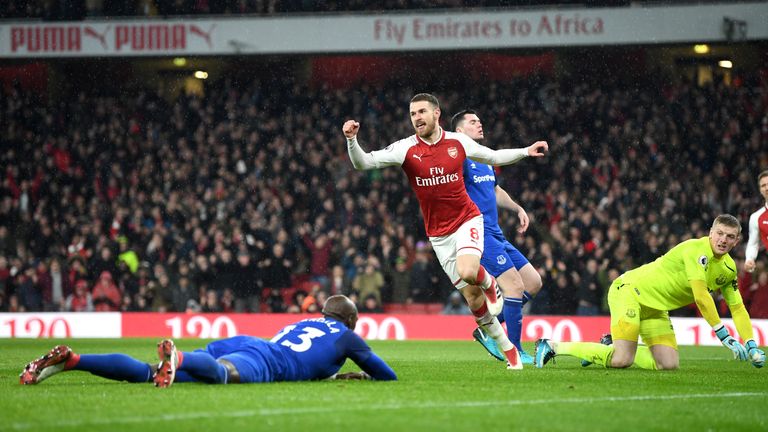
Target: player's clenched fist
350	128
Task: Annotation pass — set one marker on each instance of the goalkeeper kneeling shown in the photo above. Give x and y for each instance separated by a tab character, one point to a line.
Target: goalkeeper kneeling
640	301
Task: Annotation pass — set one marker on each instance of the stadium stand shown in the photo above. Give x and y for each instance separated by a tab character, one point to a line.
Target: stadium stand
166	196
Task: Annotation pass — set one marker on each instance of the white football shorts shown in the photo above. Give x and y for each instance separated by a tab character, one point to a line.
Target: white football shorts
467	240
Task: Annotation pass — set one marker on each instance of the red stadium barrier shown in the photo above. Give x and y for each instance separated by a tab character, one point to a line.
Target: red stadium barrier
690	331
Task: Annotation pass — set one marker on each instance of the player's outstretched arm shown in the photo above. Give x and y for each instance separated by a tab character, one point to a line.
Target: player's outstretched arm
355	348
489	156
377	368
363	160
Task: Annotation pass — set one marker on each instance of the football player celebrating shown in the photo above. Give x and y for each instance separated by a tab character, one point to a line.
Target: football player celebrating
433	160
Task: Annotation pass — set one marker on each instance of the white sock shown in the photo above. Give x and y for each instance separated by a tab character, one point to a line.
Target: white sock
491	325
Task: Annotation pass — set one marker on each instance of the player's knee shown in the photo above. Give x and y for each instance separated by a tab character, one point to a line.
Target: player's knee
468	273
667	364
511	284
533	286
621	363
531	279
467	276
622	360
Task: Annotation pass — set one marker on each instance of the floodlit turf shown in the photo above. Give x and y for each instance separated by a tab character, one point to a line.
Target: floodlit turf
442	386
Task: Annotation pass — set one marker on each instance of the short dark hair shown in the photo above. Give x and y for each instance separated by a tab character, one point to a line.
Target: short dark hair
427	98
727	220
459	117
761	175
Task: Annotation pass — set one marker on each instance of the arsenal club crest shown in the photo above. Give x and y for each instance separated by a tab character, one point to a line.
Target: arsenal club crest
452	152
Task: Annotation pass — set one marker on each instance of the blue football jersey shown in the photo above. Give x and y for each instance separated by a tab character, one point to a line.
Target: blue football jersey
480	181
314	348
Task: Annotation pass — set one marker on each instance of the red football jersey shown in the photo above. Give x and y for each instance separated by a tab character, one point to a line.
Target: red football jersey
436	173
758	228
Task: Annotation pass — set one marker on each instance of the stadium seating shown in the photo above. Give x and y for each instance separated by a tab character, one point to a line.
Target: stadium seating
139	174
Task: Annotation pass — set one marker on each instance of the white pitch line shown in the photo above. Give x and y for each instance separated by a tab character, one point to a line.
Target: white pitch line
392	407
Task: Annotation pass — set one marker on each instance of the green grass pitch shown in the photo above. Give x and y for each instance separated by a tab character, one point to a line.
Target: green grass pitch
442	386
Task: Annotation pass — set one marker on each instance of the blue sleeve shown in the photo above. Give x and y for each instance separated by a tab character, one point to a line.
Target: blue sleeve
466	169
356	349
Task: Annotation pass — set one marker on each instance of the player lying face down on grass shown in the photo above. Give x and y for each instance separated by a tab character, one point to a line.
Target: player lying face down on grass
311	349
640	301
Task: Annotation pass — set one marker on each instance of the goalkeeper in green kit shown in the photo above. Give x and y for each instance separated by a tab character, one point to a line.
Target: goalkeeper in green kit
640	301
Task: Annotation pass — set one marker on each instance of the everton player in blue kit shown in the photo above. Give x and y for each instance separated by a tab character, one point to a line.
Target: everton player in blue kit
310	349
517	278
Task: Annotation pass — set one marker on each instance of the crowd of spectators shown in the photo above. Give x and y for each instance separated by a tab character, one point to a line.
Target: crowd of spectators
245	200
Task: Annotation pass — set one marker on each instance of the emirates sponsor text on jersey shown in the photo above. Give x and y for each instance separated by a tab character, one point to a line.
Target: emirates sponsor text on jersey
437	177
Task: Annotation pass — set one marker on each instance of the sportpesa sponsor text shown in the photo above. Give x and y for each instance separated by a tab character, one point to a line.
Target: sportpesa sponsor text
483	178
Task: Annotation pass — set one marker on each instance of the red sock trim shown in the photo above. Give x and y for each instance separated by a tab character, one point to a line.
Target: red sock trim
511	355
480	276
72	361
180	356
481	311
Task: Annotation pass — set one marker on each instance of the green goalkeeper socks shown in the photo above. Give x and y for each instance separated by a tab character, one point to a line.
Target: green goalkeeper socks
644	358
600	354
593	352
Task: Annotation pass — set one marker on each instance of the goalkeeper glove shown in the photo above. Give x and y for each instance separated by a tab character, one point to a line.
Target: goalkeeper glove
732	344
755	354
